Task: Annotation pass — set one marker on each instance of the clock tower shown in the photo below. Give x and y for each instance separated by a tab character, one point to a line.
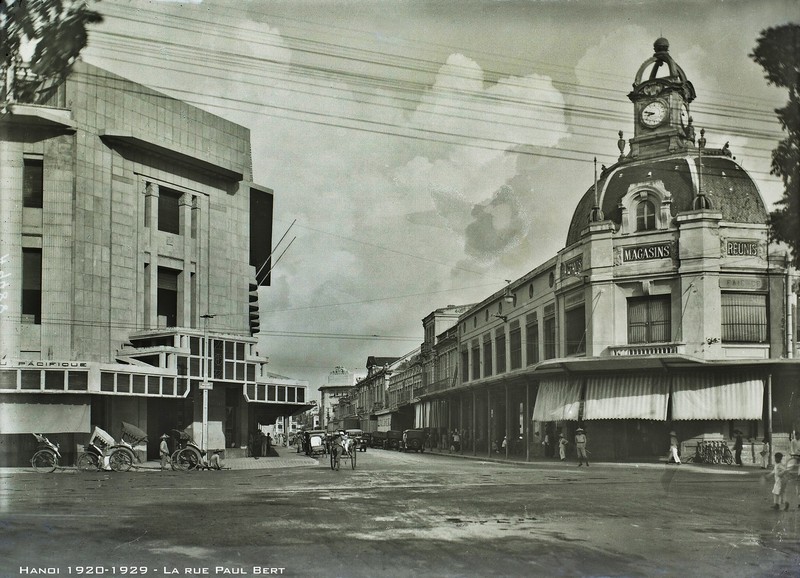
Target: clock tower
661	106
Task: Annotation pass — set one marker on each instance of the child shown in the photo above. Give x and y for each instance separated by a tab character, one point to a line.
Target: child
562	447
779	489
765	454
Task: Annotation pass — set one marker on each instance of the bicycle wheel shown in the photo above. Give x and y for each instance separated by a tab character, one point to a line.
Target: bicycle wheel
353	460
121	460
44	461
88	462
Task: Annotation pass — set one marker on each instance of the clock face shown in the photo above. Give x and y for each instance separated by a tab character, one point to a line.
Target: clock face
654	114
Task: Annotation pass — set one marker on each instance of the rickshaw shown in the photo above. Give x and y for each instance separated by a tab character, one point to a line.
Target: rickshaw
340	452
45	460
103	450
188	455
315	443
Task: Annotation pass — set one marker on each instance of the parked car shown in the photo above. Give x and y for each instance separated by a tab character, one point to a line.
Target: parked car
358	438
413	440
393	439
378	439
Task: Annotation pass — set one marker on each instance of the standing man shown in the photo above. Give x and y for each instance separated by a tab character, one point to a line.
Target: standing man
673	448
738	445
163	451
580	446
268	441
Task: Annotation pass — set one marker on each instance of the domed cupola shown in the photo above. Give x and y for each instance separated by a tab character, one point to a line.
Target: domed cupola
664	173
661	106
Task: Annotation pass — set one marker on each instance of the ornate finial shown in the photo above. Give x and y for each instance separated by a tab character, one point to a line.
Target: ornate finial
621	146
726	150
701	202
690	134
702	140
661	45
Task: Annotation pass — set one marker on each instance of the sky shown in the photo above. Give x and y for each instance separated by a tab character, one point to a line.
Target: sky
424	152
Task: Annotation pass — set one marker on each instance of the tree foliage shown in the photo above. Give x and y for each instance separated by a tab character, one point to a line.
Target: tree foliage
777	51
56	30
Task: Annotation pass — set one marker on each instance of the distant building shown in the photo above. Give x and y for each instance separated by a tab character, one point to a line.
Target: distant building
340	383
133	242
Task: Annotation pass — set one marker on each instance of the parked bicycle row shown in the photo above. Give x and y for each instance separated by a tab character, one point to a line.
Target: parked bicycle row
103	452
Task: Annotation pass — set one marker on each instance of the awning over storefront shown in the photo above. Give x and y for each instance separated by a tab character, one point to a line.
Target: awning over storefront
710	396
421	413
558	399
64	416
627	397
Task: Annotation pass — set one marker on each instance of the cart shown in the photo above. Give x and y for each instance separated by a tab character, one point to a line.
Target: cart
343	453
45	460
188	456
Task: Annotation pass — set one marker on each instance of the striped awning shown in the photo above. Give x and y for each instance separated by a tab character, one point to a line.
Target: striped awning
709	396
627	397
558	399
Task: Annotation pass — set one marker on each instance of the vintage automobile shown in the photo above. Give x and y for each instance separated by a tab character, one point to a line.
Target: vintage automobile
393	439
413	441
359	437
378	439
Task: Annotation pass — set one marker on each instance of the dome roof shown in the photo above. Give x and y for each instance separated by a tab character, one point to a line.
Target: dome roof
727	185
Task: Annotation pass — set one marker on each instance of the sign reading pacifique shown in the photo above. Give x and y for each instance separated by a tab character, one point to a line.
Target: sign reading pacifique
647	252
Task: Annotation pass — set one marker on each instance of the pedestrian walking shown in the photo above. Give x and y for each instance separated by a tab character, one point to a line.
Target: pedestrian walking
765	450
268	440
674	458
504	444
456	441
262	438
546	444
562	447
779	488
580	446
738	445
163	451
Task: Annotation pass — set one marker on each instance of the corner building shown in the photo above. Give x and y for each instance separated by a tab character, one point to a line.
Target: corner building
665	310
133	243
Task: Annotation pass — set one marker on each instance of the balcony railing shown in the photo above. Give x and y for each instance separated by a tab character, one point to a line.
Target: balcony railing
647	349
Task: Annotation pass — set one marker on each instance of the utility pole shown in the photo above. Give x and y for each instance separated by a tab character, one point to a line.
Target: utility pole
206	385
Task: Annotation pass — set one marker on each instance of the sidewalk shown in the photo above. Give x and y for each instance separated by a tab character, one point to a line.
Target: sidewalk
572	462
289	458
286	458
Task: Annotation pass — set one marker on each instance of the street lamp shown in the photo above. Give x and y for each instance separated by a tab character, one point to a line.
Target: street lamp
206	385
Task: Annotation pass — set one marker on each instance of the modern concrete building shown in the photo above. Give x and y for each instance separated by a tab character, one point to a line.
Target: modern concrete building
133	244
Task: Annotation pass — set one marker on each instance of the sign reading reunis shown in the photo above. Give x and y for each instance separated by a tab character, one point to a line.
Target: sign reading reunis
647	252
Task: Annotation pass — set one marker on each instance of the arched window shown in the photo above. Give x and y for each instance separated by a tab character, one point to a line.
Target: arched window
645	216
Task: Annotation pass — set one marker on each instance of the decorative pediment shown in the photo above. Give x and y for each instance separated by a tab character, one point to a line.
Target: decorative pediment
645	207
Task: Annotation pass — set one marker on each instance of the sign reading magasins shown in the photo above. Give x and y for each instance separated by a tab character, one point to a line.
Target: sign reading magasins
647	252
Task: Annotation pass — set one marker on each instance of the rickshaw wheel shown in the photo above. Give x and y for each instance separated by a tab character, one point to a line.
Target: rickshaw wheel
353	459
88	462
186	459
120	461
44	461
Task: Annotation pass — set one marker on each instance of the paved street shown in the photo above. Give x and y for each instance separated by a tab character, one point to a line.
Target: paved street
399	515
